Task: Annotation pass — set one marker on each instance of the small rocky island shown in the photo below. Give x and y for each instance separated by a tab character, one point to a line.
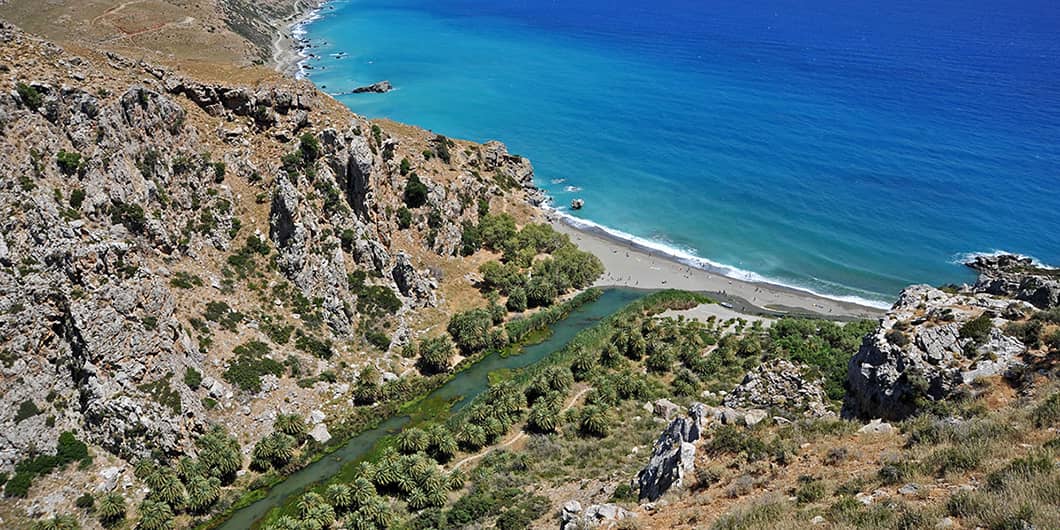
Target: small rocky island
381	87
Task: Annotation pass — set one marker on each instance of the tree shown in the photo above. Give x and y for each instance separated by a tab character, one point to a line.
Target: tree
155	515
435	354
291	424
110	510
541	292
543	416
594	421
415	192
412	440
366	390
167	488
339	496
59	522
361	491
443	444
203	492
470	329
517	300
219	453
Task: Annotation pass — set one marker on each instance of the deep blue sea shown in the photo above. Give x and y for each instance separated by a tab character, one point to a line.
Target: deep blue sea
849	148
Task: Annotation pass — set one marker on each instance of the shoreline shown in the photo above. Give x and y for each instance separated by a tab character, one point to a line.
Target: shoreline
628	264
289	44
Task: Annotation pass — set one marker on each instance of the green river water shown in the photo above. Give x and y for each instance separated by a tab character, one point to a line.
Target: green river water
461	389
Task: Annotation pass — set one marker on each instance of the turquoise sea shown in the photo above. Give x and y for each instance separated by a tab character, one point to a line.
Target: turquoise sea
848	148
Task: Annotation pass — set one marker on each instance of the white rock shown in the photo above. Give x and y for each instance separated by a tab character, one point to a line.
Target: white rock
320	433
317	416
876	426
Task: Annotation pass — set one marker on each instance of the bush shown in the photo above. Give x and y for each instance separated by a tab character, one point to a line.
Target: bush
69	162
977	329
86	502
1047	413
27	409
404	218
250	365
131	216
897	338
192	378
30	96
415	192
810	490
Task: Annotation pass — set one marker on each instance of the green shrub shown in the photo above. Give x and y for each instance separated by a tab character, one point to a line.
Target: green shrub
250	365
30	96
404	217
86	502
185	280
406	166
897	338
977	329
1047	413
131	216
415	192
192	377
27	409
810	490
435	354
77	198
69	162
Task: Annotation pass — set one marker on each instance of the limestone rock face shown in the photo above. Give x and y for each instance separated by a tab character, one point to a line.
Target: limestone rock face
673	455
779	386
413	284
917	352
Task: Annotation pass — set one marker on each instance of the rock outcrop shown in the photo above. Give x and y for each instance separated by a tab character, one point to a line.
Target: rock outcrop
572	517
781	387
673	455
1017	277
382	87
919	352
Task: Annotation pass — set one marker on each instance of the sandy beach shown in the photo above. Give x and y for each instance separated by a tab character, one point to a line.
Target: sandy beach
631	266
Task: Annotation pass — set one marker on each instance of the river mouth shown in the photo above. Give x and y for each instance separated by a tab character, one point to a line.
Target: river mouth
452	396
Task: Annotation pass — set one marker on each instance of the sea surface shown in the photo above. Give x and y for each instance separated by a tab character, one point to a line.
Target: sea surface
847	148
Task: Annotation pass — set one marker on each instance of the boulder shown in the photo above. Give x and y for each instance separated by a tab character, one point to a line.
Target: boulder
1017	277
665	409
673	455
413	284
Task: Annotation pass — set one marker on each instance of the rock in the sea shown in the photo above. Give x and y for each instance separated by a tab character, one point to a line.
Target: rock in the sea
381	87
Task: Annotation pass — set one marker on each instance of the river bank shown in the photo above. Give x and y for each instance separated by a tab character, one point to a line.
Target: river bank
630	265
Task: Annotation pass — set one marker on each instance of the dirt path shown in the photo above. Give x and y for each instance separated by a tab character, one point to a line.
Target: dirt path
115	9
517	436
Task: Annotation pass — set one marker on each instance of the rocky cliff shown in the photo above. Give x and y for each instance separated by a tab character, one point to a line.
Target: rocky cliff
162	238
933	344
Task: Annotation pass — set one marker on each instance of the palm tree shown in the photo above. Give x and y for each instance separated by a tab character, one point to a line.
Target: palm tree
219	453
308	502
594	421
188	467
455	480
291	424
285	522
168	488
443	444
110	509
339	495
321	515
144	467
155	515
203	492
412	440
543	417
472	436
583	365
417	500
361	491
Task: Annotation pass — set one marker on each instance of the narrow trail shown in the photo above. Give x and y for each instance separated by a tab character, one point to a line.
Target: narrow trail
517	436
115	9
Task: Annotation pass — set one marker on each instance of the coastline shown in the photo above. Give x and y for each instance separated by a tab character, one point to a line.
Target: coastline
289	44
630	265
627	263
